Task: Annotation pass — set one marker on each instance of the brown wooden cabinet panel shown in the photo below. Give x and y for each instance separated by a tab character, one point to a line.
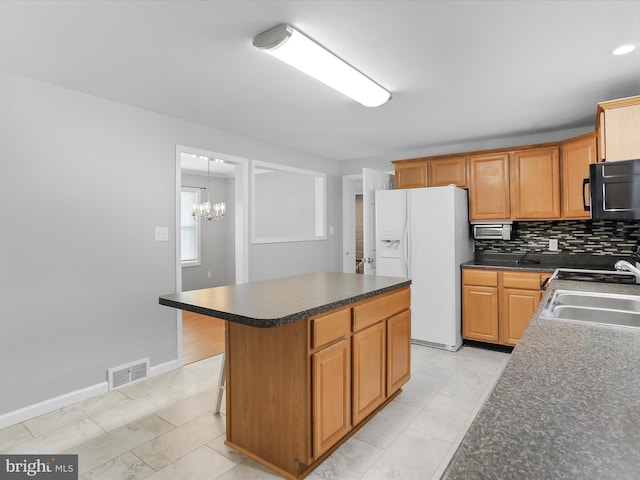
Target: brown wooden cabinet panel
380	308
330	327
447	171
295	392
618	127
499	314
522	280
518	306
489	187
575	157
480	313
398	351
331	395
535	184
410	174
369	374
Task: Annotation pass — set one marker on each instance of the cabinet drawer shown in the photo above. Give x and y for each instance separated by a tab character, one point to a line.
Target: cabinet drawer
488	278
330	327
380	308
523	280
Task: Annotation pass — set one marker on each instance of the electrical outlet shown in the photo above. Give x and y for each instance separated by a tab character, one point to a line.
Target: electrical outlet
553	244
162	234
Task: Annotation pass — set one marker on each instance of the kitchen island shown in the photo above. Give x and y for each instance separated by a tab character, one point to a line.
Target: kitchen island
310	359
566	407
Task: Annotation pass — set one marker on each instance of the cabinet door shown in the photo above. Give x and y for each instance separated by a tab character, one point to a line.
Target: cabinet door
368	370
480	313
518	307
535	184
331	379
412	174
489	187
447	171
398	351
621	139
576	156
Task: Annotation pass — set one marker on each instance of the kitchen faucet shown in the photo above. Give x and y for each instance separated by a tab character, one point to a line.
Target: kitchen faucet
624	266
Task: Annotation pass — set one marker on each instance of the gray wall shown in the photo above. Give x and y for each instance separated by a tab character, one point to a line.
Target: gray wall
217	238
83	183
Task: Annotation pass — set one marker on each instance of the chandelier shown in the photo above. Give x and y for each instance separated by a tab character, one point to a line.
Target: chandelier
205	211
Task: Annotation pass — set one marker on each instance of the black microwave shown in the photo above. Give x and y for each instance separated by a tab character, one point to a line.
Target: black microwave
615	190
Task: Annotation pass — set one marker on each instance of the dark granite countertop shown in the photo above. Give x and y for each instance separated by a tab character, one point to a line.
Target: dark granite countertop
272	303
566	407
541	262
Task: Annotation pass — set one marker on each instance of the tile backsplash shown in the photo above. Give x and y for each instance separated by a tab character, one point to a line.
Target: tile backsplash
574	237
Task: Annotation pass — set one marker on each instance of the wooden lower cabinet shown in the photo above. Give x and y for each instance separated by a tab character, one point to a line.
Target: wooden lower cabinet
480	313
498	305
332	395
369	374
518	306
296	392
398	351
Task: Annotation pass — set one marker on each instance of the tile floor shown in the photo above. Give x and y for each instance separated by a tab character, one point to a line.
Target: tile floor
163	428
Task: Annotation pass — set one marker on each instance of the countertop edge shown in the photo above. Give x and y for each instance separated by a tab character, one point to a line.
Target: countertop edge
280	321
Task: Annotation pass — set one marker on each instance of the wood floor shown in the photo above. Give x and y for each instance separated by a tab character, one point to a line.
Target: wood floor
202	337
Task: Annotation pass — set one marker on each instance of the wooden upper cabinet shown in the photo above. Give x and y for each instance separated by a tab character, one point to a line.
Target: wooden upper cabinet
535	184
489	187
410	173
447	171
618	129
575	157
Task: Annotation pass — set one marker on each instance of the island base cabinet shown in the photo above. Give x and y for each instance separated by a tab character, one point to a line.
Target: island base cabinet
398	351
332	395
296	392
369	387
268	396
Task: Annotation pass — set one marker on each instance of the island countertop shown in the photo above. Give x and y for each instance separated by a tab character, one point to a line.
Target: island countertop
272	303
566	407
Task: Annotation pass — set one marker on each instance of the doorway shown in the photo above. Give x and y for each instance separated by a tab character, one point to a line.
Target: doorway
221	251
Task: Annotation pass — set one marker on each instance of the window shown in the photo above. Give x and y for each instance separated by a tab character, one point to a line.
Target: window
189	228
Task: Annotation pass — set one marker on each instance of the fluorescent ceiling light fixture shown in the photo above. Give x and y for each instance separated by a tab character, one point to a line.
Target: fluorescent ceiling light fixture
299	51
623	49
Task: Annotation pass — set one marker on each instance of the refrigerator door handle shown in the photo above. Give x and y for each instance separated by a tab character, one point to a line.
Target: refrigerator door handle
407	230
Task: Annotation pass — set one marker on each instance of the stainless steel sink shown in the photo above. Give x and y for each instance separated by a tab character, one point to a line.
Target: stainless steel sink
610	302
610	309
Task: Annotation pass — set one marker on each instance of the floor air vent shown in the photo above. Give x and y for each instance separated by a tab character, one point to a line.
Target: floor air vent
129	373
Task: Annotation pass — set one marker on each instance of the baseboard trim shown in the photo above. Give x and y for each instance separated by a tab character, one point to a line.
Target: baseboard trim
31	411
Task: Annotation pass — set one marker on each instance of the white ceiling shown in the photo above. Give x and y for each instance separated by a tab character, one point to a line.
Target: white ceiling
459	71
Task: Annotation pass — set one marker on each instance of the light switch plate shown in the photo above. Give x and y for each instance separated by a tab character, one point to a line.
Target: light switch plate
162	234
553	244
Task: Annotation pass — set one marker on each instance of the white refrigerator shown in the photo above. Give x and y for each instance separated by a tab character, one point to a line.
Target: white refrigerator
423	234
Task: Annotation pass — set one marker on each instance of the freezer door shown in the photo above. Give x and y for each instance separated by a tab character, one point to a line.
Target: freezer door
391	233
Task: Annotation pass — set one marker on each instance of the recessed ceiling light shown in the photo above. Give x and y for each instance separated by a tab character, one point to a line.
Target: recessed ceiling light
623	49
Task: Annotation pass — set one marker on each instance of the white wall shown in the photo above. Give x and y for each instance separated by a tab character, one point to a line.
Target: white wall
83	183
